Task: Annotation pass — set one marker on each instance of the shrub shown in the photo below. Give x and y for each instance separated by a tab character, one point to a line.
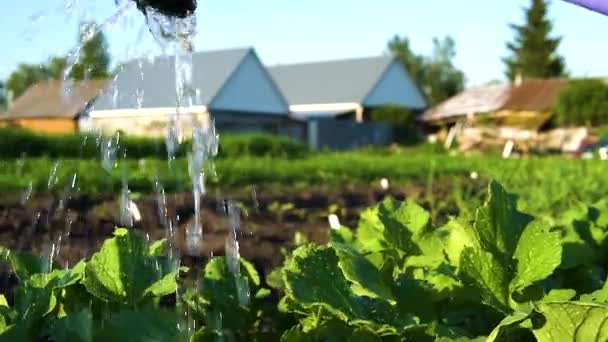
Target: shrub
583	102
261	145
401	118
16	143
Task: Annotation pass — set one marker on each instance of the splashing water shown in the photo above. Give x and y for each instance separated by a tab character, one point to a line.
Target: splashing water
27	193
88	32
233	255
179	34
53	175
126	217
139	93
109	151
254	199
204	147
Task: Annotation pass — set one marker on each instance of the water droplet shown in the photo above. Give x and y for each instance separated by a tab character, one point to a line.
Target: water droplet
52	180
27	193
109	151
126	216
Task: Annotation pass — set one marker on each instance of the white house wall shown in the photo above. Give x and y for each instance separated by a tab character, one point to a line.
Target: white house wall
395	87
250	89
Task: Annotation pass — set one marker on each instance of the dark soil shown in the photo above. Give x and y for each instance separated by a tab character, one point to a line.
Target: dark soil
269	220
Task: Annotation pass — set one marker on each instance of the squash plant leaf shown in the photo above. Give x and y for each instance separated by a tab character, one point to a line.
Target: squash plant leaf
570	321
362	272
538	254
77	327
123	270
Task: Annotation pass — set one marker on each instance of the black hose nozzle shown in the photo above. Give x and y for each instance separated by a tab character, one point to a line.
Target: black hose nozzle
172	8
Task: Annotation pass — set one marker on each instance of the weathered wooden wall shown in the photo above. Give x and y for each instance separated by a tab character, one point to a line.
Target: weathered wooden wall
140	125
43	125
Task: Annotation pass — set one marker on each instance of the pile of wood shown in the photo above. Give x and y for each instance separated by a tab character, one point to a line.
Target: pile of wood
564	140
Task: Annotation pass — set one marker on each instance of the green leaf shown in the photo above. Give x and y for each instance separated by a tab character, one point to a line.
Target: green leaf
560	295
207	335
507	323
25	265
571	321
498	224
140	326
359	270
263	293
164	286
58	279
401	222
329	331
458	238
538	254
370	231
414	298
315	282
436	275
157	248
123	271
275	279
76	327
226	295
483	270
341	235
313	278
32	304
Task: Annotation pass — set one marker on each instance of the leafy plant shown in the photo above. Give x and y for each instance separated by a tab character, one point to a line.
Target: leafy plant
497	274
494	276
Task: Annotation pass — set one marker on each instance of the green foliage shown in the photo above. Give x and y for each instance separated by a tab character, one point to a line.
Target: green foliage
85	146
123	271
402	119
435	75
94	61
497	277
262	145
533	51
26	75
116	295
3	99
583	102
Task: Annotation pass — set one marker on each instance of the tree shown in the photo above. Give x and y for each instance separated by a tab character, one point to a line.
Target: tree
94	62
442	79
435	75
583	102
95	58
533	53
402	120
2	96
26	75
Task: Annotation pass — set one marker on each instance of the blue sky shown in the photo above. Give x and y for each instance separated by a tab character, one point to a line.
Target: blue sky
287	31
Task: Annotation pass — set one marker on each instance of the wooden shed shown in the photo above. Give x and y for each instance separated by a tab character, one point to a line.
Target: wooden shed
526	105
52	106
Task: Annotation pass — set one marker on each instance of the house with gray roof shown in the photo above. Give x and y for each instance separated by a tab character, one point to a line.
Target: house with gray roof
347	87
231	85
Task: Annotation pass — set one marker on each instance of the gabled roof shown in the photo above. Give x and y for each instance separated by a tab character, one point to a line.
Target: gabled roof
153	82
340	81
535	95
46	99
480	99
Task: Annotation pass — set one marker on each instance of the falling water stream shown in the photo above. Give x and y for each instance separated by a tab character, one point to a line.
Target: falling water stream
175	35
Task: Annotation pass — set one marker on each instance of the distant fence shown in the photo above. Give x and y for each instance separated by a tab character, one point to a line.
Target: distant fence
347	135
